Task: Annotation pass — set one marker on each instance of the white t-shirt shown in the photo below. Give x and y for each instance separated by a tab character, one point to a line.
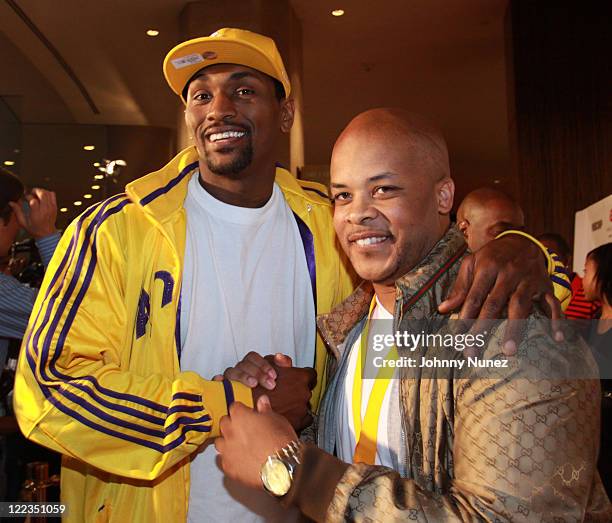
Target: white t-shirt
345	436
246	287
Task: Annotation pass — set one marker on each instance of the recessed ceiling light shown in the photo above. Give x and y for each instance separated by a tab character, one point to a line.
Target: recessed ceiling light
338	12
9	162
95	187
152	32
87	196
78	202
89	147
496	181
99	177
64	209
96	164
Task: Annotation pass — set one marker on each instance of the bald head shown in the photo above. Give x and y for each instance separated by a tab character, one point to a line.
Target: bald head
422	146
485	213
392	191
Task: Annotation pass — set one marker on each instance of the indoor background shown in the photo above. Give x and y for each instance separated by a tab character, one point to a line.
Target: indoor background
522	90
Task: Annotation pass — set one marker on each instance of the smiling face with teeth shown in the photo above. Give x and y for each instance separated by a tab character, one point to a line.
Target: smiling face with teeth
235	119
392	194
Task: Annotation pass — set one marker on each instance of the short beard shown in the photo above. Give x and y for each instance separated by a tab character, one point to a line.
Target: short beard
236	166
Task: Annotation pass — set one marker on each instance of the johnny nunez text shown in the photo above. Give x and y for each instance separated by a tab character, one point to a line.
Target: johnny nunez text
407	361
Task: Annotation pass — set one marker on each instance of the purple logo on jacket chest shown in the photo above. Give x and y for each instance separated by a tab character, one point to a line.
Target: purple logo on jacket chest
143	313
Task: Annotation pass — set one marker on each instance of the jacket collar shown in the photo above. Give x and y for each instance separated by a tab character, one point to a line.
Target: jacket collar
434	274
172	179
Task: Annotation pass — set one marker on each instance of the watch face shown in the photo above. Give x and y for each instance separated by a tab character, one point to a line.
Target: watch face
275	476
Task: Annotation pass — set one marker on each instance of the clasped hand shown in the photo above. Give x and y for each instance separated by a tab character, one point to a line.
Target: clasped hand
287	387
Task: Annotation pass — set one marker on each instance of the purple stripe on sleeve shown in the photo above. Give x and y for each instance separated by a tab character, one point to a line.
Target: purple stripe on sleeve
120	408
561	282
186	396
96	222
181	438
107	417
184	408
186	422
100	428
229	393
66	260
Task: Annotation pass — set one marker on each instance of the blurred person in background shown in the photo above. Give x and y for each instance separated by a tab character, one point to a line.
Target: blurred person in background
598	286
486	214
579	308
35	213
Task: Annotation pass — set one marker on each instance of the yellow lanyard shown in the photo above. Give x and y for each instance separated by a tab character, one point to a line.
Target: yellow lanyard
366	433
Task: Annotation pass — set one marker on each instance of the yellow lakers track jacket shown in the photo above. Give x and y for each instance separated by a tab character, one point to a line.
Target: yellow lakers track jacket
99	378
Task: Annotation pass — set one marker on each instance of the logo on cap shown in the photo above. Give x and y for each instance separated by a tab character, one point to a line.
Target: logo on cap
186	61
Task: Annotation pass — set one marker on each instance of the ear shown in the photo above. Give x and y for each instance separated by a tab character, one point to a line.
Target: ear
287	111
445	192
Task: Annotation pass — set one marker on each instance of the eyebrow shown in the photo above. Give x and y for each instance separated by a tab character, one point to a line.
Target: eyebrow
239	75
375	178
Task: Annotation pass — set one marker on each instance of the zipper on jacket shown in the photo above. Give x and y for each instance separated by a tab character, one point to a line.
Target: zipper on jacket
404	431
397	319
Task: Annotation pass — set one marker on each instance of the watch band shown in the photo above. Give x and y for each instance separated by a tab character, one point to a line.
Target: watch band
291	452
287	457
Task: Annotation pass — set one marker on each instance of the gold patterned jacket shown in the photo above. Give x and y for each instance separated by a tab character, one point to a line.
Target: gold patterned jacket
507	447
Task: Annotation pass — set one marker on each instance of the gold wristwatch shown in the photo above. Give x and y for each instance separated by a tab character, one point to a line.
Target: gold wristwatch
278	470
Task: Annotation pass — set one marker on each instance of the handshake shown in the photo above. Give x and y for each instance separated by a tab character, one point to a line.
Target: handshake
288	388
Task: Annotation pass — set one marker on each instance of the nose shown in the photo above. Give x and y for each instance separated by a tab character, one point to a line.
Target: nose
361	210
221	107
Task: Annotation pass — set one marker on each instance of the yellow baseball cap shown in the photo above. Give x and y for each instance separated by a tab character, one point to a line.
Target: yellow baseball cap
225	46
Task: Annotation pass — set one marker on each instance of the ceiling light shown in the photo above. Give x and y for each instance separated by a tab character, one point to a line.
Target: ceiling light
152	32
97	164
496	181
9	162
89	147
78	202
87	196
95	187
338	12
64	209
99	177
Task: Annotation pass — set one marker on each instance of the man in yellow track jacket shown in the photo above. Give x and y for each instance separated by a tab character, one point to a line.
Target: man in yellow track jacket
101	378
